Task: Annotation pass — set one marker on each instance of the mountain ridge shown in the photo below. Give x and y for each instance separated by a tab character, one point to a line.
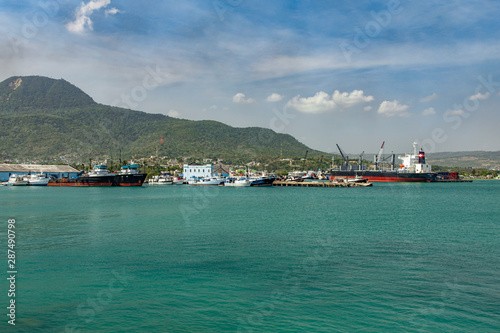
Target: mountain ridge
45	118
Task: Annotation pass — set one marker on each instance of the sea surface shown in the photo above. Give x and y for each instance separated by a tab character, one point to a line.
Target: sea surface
388	258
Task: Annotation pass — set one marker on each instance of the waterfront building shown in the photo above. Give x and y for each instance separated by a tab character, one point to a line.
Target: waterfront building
196	170
58	171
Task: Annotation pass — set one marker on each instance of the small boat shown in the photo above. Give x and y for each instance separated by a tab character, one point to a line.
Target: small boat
178	181
263	180
357	179
160	180
17	180
238	182
38	179
214	180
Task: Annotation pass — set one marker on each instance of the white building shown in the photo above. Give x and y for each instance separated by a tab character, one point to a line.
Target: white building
197	170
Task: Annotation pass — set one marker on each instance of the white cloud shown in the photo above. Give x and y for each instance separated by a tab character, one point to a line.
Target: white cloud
321	102
347	100
429	98
480	96
173	113
274	97
82	17
391	109
111	11
367	108
240	98
428	112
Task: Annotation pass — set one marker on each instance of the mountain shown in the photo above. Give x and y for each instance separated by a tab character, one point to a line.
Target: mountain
466	159
43	118
33	94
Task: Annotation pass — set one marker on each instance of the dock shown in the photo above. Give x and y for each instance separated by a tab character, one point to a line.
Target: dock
321	184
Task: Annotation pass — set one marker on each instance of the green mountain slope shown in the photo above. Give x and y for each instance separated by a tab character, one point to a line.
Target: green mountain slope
43	118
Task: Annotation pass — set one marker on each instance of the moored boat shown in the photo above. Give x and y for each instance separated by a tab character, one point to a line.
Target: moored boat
17	180
129	175
99	176
264	180
38	179
160	180
238	182
214	180
413	169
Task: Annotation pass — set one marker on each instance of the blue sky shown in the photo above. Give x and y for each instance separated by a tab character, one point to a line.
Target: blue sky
326	72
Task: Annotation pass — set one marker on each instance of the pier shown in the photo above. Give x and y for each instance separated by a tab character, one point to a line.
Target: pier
321	184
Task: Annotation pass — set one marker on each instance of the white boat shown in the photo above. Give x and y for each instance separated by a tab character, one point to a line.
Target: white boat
178	180
238	182
206	180
17	180
160	180
38	179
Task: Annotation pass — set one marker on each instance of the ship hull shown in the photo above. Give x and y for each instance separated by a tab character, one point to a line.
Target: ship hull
385	176
130	180
85	181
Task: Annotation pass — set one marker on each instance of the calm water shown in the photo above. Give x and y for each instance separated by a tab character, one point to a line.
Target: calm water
394	257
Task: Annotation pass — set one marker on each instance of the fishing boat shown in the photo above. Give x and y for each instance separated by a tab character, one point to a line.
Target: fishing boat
17	180
264	180
214	180
160	180
38	179
178	180
129	175
238	182
99	176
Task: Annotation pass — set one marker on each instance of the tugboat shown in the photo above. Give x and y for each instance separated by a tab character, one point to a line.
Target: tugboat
129	175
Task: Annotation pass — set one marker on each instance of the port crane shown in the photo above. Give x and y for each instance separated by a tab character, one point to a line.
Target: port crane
378	158
343	154
360	161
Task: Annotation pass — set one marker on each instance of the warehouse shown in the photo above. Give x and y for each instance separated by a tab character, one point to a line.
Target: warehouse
58	171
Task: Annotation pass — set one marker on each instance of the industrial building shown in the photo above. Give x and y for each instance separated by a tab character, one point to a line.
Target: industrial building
58	171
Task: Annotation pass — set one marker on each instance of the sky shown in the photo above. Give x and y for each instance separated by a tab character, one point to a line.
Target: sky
356	73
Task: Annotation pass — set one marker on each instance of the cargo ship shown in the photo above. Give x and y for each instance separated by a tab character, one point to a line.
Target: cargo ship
412	169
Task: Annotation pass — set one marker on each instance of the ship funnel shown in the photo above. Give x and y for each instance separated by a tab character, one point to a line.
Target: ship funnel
421	156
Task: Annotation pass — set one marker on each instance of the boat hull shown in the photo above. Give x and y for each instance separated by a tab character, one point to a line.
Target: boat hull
130	180
261	182
84	181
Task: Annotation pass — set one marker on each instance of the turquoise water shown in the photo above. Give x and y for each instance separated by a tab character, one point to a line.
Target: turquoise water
393	257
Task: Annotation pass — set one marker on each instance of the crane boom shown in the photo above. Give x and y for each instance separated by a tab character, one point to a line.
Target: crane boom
379	156
344	156
380	152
